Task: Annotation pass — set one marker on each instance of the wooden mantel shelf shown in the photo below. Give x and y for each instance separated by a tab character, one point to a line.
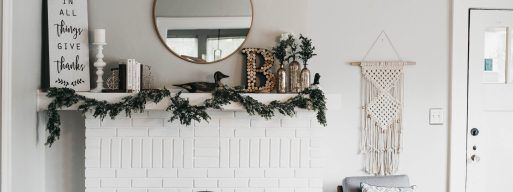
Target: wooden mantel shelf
194	98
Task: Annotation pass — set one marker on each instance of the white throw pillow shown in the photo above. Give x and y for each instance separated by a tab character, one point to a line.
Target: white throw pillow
370	188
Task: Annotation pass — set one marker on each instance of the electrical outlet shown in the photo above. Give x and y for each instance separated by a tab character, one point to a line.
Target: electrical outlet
436	116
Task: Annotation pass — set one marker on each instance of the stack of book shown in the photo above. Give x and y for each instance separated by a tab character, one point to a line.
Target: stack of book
130	76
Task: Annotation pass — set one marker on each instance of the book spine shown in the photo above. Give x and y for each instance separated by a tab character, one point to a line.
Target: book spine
129	75
122	78
142	77
137	77
134	76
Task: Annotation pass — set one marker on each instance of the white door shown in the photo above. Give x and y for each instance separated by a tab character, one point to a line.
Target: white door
490	97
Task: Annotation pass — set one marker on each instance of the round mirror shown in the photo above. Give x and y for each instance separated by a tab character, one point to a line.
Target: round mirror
202	31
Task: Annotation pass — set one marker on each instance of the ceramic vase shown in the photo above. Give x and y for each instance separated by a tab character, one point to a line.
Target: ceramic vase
281	86
294	77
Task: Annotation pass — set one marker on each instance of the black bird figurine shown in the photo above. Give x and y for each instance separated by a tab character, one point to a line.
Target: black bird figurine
204	87
316	84
317	78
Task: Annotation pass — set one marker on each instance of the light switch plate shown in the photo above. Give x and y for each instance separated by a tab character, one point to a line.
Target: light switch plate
436	116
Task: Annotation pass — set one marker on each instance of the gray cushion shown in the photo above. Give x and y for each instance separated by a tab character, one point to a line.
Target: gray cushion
352	184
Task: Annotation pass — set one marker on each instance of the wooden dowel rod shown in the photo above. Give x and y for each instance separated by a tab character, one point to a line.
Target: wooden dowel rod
357	63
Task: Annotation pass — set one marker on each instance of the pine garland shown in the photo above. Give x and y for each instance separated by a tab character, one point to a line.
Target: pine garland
180	108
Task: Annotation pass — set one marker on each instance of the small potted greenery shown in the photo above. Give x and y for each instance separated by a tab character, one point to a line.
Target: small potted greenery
280	52
305	54
294	66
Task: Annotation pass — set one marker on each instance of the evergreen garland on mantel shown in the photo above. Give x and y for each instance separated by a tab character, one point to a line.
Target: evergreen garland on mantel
180	108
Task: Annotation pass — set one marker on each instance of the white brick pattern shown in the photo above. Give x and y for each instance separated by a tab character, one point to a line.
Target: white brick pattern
234	152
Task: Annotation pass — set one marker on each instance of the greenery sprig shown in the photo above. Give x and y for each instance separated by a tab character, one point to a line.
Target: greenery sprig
180	108
185	112
280	51
292	46
307	49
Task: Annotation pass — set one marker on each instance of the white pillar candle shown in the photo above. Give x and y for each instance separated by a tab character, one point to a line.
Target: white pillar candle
99	36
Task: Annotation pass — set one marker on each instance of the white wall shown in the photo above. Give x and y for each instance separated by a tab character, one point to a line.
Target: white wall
420	32
64	162
28	152
342	31
1	54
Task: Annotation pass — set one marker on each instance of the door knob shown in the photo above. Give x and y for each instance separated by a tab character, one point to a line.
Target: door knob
474	132
475	158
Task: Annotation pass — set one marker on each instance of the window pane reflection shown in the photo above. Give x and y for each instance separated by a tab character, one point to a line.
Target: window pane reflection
184	46
494	63
218	48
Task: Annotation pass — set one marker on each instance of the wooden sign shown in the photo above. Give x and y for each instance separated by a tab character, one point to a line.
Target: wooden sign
67	61
254	83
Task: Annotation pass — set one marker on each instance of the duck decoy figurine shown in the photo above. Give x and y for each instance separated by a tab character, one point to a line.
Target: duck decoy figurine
204	87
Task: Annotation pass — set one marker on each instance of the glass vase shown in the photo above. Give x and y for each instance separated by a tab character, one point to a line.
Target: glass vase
281	86
305	78
294	77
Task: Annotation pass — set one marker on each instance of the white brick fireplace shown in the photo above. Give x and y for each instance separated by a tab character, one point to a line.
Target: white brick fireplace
234	152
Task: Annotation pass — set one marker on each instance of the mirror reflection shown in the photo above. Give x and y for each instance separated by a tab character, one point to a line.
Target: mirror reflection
202	31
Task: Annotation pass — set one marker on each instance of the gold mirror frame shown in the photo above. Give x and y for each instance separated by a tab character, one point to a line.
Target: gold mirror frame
163	41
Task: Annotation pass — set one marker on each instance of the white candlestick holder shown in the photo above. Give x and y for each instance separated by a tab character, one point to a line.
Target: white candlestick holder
99	64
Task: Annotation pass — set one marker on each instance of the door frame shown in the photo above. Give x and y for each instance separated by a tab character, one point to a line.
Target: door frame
6	95
459	86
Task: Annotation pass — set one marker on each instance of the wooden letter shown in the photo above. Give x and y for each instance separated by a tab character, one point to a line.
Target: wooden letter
254	84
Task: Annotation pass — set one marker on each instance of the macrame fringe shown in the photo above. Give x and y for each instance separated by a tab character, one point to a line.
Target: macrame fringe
382	92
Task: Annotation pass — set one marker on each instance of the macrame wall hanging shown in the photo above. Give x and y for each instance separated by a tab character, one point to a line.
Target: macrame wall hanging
382	107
